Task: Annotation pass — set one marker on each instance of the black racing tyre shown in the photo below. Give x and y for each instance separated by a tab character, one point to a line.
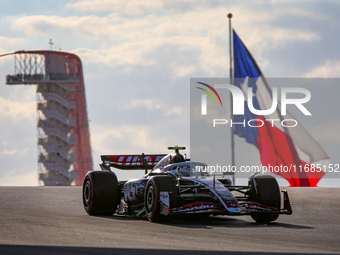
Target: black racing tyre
154	186
101	193
265	191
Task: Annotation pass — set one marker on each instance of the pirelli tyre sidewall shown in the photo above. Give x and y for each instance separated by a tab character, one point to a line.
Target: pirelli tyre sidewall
101	193
154	186
266	191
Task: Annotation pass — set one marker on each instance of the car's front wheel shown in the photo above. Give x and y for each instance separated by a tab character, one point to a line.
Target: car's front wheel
266	191
152	199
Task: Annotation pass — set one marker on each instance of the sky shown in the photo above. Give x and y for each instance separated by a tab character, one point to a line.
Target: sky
138	58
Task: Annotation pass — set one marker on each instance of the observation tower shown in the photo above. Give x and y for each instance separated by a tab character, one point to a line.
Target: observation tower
64	149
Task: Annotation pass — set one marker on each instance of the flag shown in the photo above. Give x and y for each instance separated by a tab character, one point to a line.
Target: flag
292	147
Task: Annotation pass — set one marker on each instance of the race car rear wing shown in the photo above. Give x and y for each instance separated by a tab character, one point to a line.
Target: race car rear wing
130	162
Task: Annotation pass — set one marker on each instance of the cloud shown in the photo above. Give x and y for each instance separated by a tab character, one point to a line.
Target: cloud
194	40
151	105
156	127
15	152
330	69
174	55
136	7
11	42
17	110
179	111
304	13
41	24
118	139
133	7
15	179
129	54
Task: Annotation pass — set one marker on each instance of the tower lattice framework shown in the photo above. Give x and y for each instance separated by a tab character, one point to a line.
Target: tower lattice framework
64	149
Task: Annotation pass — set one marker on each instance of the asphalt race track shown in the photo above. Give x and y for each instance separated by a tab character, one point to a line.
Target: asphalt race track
51	220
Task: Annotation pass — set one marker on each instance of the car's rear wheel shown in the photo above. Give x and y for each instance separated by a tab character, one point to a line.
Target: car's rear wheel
265	190
101	193
152	202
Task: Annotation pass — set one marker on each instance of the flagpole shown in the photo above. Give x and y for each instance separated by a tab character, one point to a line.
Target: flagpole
230	15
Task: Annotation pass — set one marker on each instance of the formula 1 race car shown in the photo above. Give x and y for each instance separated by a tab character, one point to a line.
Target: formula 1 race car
171	189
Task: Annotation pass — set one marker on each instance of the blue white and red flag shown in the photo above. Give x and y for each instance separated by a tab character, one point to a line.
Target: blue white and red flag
293	147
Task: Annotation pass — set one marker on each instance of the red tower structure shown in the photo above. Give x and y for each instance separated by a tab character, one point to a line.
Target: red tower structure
63	131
